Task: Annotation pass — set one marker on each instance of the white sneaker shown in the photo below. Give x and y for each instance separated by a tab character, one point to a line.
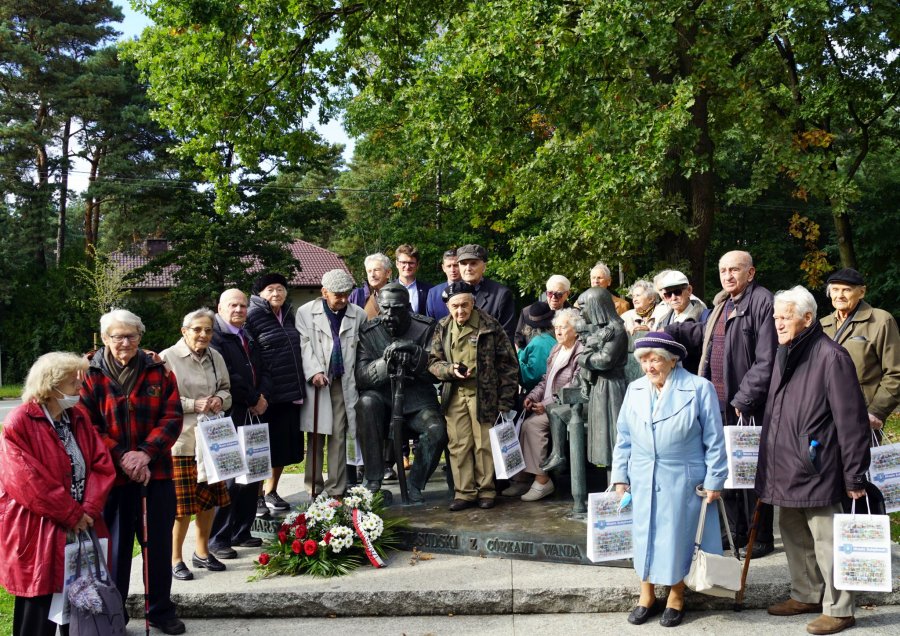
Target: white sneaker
539	491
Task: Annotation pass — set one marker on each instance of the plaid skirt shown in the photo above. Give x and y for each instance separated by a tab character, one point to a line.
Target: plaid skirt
192	497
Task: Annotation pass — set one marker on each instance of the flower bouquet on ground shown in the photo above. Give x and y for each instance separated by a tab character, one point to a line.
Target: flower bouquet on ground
331	537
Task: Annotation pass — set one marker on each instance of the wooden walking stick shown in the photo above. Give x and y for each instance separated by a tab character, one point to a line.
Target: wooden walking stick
315	443
145	557
739	599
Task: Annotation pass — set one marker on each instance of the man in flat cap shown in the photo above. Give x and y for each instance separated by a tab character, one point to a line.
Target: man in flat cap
329	334
398	340
490	297
871	338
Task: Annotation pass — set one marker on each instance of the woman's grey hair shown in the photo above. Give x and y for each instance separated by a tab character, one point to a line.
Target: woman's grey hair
203	312
48	372
800	298
662	353
644	287
559	279
120	317
567	315
380	259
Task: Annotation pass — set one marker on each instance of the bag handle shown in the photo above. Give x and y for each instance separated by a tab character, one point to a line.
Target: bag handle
853	505
249	417
698	538
100	563
741	422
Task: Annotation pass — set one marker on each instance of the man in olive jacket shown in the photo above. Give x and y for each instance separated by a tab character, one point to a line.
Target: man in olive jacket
814	448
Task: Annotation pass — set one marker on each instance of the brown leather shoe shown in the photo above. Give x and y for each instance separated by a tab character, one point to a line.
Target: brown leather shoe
485	503
830	624
791	607
460	504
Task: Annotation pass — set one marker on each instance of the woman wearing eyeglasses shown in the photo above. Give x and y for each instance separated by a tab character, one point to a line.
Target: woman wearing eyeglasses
205	389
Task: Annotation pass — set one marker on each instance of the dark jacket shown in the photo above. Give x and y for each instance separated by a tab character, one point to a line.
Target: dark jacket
249	376
435	307
497	301
372	373
360	295
814	395
497	375
422	289
148	419
750	344
279	344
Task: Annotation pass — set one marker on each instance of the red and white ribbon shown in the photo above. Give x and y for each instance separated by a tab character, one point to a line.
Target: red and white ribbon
374	559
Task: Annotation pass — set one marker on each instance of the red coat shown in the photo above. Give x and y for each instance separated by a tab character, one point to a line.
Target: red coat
36	505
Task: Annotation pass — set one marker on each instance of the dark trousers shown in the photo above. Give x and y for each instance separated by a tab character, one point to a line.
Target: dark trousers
739	505
123	516
31	617
231	525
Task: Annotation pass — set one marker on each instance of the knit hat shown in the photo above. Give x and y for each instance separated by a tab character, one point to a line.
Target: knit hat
847	275
338	281
539	315
268	279
661	340
459	287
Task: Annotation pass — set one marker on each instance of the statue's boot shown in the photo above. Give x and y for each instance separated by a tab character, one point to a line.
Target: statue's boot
557	458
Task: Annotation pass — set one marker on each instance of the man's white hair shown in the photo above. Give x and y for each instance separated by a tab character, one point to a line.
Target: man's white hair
380	259
800	298
601	267
120	317
559	279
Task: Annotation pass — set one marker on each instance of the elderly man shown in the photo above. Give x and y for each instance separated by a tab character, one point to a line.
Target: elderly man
491	297
435	307
480	376
398	341
378	274
557	290
736	347
134	404
329	335
407	258
602	277
871	338
250	382
814	448
676	292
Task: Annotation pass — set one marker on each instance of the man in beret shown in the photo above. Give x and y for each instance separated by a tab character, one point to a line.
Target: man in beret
329	333
491	297
475	361
871	338
398	340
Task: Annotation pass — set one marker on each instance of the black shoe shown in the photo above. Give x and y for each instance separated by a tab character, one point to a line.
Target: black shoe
210	563
486	503
224	553
261	508
252	542
671	617
181	572
460	504
640	614
169	626
415	495
275	502
759	550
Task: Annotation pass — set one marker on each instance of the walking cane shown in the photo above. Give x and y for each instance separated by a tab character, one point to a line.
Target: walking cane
739	599
397	378
315	443
144	553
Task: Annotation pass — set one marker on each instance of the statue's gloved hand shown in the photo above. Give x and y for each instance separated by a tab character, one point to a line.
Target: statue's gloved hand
401	346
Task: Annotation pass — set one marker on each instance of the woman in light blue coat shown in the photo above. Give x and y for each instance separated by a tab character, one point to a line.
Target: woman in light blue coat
670	442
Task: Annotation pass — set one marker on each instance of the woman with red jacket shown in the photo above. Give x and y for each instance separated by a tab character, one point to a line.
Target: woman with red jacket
55	475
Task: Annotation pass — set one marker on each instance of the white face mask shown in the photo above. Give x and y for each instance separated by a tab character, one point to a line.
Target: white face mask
67	401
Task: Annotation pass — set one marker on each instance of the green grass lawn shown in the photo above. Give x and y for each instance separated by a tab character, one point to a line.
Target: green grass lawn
10	391
892	428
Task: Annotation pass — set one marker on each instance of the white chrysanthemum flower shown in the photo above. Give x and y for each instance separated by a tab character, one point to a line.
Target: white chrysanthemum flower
372	524
341	538
291	518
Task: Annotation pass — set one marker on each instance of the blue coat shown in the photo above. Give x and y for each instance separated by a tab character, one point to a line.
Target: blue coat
665	456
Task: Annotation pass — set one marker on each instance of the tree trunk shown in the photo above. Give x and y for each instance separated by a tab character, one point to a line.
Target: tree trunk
91	208
63	191
845	240
703	194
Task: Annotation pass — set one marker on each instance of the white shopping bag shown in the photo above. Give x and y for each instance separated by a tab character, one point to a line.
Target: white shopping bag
884	472
609	528
254	440
742	451
505	447
862	552
223	457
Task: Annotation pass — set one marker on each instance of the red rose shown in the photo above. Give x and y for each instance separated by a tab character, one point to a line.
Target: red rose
327	538
300	520
309	546
284	527
300	532
282	536
263	559
296	546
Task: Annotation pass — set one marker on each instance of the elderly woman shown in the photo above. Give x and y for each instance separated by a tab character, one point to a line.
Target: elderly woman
640	319
474	359
871	338
55	475
535	435
670	443
133	402
538	319
270	321
204	386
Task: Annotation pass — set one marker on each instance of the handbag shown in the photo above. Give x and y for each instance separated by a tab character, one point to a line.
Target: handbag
713	574
95	605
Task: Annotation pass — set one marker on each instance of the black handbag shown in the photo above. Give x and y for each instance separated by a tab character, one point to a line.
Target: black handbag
95	605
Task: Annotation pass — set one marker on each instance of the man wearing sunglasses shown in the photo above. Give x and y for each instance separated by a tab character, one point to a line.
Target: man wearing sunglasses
557	291
676	292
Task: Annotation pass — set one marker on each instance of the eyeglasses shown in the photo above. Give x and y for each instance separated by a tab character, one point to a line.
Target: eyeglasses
407	263
668	293
556	294
119	338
